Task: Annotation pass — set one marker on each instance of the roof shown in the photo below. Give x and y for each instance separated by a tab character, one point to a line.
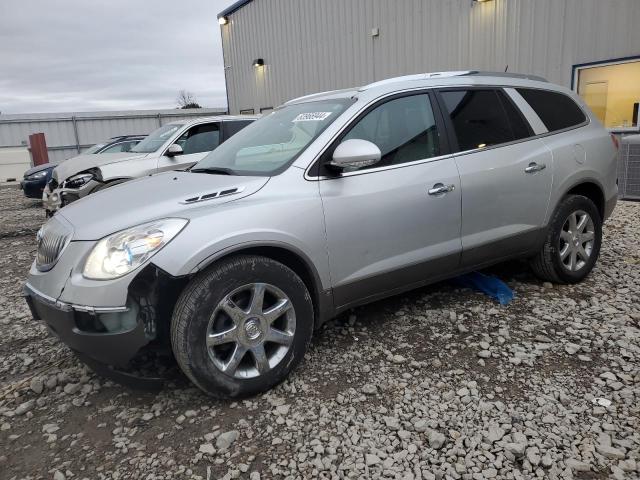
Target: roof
217	118
433	79
110	114
233	7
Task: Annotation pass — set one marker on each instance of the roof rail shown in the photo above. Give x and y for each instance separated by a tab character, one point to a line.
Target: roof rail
461	73
319	94
417	76
526	76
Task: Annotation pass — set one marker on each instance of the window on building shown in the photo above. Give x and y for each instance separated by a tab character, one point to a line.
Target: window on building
556	110
481	118
404	129
612	91
247	111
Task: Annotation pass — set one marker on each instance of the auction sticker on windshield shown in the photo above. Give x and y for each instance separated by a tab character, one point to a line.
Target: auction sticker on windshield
311	117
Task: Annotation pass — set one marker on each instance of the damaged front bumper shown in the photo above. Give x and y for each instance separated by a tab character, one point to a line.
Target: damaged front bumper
54	200
109	335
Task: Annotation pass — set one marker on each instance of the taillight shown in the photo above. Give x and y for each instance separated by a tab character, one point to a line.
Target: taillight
616	142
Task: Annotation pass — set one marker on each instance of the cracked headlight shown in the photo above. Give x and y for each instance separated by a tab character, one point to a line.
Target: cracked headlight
77	181
124	251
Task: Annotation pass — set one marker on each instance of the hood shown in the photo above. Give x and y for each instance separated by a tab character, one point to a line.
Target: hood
81	163
39	168
169	194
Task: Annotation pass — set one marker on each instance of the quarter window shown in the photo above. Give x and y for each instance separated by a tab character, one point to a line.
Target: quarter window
556	110
483	118
404	129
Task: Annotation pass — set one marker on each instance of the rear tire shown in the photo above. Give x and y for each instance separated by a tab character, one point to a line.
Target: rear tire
241	326
573	241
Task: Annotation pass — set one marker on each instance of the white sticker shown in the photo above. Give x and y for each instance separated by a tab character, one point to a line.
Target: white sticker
311	117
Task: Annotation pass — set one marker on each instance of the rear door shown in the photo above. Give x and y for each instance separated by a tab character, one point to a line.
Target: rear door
505	174
196	142
396	224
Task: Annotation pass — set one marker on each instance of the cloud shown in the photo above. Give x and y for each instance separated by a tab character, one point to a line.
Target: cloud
79	55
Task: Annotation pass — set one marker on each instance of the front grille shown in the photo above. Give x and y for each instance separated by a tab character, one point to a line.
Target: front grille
52	238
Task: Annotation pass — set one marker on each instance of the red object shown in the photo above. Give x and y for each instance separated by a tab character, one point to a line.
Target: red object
38	148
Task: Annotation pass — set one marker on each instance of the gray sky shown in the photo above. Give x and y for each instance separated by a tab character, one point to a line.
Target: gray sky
83	55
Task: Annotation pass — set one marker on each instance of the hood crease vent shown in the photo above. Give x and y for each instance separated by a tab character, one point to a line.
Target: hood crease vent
210	196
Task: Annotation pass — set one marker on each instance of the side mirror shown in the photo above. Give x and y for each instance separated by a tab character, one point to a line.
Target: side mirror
174	150
355	153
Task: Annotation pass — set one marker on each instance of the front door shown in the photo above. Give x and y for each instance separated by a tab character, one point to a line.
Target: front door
505	175
396	224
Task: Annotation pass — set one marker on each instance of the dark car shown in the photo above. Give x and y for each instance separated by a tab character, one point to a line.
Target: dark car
36	178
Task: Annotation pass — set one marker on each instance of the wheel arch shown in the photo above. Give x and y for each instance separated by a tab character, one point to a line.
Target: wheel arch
294	259
591	189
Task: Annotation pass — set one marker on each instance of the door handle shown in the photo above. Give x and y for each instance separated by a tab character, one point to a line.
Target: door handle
535	167
440	189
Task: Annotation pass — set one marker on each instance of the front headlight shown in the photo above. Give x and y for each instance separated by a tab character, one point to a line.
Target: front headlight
123	252
77	181
37	175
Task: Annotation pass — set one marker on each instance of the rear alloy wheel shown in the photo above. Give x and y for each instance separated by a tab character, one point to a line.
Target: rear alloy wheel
241	326
576	241
572	244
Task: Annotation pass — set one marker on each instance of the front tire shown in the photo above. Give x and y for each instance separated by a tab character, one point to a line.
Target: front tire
572	245
241	326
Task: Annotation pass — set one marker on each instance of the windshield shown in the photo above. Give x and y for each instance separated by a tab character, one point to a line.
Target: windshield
93	149
156	138
268	146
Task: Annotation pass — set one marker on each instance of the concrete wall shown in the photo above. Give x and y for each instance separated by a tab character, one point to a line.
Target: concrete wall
315	45
67	134
13	163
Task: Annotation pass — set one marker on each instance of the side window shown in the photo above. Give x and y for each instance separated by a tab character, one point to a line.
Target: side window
481	118
113	148
404	129
201	138
556	110
127	146
231	127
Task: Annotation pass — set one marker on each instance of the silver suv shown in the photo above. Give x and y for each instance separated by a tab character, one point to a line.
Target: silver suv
175	145
331	201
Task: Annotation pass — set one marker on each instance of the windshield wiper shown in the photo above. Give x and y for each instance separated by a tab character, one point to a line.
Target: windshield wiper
213	171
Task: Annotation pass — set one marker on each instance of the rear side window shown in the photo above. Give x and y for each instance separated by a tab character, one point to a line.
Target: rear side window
556	110
483	118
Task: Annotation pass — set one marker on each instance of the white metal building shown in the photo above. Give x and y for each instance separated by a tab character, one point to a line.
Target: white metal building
67	134
275	50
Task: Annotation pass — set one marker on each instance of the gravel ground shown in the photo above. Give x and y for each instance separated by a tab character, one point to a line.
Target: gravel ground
437	383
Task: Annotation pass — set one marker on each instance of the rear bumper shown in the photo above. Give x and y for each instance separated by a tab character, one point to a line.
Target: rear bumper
111	348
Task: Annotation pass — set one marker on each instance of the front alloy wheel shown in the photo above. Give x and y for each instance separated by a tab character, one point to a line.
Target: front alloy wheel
241	326
251	330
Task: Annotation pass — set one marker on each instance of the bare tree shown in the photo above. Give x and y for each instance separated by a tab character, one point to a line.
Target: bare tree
187	99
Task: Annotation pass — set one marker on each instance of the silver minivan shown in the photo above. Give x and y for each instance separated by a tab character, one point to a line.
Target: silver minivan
331	201
179	144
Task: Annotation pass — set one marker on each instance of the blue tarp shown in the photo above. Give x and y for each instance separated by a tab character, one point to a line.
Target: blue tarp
492	286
